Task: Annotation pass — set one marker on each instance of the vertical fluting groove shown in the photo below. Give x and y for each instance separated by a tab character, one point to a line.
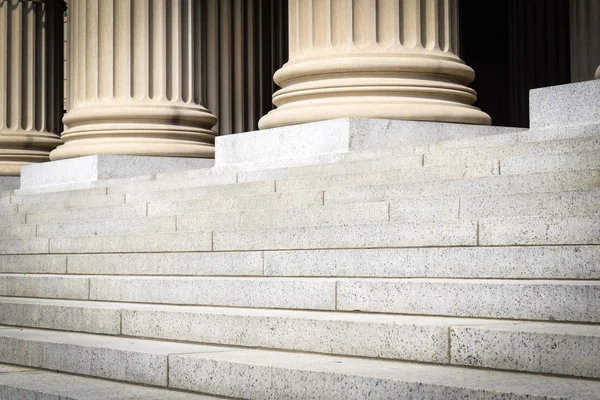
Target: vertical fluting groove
250	99
294	38
29	80
225	49
121	66
364	22
321	36
105	49
422	32
389	20
139	47
305	25
82	51
199	45
186	51
412	23
92	49
4	59
454	22
212	51
238	28
40	72
444	22
17	92
52	70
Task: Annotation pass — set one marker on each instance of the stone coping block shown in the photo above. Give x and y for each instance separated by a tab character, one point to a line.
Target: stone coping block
565	105
287	145
104	167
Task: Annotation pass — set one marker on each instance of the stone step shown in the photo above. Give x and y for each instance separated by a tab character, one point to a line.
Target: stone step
236	203
445	156
108	227
21	231
57	195
484	186
24	246
259	374
12	219
421	174
553	162
389	163
87	214
203	177
276	218
21	383
522	262
569	349
77	202
149	242
238	189
545	300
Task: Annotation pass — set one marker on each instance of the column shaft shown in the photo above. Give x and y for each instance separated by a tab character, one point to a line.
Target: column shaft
585	39
136	80
392	59
30	82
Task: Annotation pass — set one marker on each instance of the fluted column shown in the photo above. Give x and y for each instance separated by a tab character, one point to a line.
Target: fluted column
136	80
392	59
585	39
598	73
30	82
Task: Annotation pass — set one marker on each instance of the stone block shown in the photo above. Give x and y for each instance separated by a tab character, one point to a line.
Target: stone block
87	214
441	208
208	177
62	315
44	286
9	182
581	202
78	202
103	167
24	246
12	219
151	242
23	198
124	359
316	294
108	227
539	230
564	349
565	105
551	162
243	374
574	301
33	264
17	231
551	262
442	233
204	263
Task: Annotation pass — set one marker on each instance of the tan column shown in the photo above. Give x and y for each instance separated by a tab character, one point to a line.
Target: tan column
585	39
392	59
135	80
30	82
598	73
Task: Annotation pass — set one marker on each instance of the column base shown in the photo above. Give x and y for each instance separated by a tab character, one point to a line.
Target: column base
140	130
19	148
385	87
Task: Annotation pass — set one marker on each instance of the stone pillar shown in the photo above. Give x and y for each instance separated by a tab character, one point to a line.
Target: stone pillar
393	59
585	39
136	80
597	75
30	82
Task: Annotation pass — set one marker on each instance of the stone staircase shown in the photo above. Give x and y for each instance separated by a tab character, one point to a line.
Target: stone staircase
457	269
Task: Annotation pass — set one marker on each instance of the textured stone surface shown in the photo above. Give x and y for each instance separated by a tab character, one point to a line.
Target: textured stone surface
396	337
540	230
88	214
582	202
77	202
61	287
489	186
239	189
24	246
302	376
238	203
25	197
424	209
421	174
576	301
545	348
33	384
570	262
52	314
33	264
549	163
241	292
565	105
207	263
444	233
124	359
17	231
12	219
151	242
108	226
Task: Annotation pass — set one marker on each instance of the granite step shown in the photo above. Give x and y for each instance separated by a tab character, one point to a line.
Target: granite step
541	300
87	214
564	349
21	231
36	384
58	195
483	186
258	374
73	203
552	162
515	262
114	226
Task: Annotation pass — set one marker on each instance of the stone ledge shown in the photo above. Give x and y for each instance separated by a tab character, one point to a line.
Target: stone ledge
104	167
